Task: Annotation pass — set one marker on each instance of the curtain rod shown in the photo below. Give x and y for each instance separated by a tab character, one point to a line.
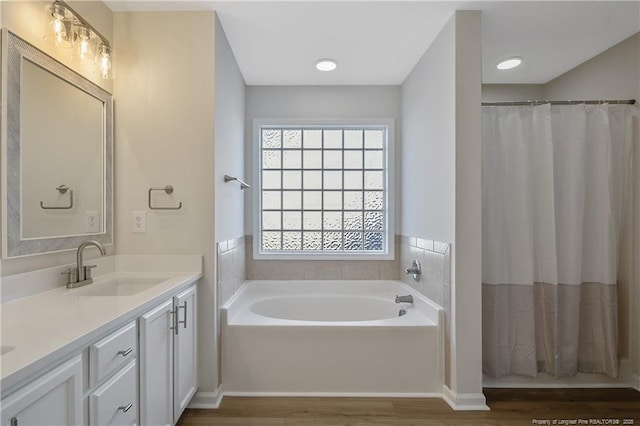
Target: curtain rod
521	103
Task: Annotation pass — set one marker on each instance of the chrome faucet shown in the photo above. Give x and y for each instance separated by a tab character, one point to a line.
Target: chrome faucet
81	274
404	299
415	270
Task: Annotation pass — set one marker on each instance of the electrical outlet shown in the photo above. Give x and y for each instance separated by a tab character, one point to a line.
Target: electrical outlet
139	222
91	222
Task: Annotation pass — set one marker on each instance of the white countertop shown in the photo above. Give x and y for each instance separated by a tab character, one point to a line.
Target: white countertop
51	325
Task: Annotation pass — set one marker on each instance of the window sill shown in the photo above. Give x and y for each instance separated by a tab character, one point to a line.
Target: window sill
322	256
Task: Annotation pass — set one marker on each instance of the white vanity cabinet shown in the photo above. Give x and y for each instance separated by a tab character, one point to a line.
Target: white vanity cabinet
121	351
112	378
168	359
55	398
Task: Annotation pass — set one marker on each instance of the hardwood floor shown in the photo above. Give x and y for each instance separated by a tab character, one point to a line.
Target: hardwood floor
508	407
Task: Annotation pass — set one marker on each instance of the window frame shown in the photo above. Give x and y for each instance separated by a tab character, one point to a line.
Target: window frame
388	252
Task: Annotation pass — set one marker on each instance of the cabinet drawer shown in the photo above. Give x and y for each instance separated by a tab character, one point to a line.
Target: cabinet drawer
109	354
114	403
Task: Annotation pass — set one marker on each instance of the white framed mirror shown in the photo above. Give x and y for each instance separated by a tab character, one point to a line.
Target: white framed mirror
57	154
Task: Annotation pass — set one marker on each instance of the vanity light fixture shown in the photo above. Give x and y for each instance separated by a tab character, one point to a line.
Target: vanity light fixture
65	28
326	64
509	63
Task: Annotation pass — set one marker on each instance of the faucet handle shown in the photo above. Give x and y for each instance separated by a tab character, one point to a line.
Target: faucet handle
71	274
87	271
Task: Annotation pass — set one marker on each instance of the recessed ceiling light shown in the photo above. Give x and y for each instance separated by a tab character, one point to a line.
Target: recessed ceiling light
326	64
507	64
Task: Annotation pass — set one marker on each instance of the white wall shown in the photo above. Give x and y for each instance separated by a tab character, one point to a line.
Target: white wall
229	159
164	119
26	19
440	166
428	143
317	102
229	140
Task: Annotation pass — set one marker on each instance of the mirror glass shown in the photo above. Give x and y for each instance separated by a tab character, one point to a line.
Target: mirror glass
57	134
61	143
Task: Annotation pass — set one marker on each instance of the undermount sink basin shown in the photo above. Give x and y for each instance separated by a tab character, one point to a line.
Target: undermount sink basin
6	349
121	286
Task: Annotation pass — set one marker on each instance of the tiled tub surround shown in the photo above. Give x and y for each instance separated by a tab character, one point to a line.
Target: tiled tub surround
236	264
321	269
435	281
435	259
231	260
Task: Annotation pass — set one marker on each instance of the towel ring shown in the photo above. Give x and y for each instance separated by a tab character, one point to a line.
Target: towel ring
62	189
169	190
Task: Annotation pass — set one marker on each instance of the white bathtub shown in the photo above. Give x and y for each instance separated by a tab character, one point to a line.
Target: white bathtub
331	338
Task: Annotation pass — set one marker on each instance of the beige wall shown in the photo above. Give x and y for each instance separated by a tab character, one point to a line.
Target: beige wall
26	19
165	136
512	92
466	350
613	74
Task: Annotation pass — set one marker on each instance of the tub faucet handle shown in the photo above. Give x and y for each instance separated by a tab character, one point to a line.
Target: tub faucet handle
415	270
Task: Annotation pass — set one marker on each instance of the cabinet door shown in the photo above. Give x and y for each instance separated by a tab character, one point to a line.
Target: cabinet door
185	351
156	365
53	399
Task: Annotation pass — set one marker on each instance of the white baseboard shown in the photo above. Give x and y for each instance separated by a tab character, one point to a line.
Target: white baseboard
207	400
464	401
336	394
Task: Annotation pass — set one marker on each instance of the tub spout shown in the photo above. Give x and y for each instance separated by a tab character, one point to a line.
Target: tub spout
404	299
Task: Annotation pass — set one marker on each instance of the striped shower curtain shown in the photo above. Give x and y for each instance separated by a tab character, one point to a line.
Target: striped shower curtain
552	196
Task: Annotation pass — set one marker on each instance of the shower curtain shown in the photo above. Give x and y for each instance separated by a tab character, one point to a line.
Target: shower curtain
552	193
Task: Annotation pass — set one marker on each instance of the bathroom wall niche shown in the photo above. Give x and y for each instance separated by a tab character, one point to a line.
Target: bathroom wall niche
57	143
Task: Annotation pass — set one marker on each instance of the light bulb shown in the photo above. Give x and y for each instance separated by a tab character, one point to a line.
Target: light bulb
104	61
58	30
60	26
326	64
509	63
84	46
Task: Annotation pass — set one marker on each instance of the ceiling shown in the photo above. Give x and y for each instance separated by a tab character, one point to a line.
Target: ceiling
379	42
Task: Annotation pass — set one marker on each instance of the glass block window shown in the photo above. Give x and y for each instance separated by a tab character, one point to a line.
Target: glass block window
323	190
